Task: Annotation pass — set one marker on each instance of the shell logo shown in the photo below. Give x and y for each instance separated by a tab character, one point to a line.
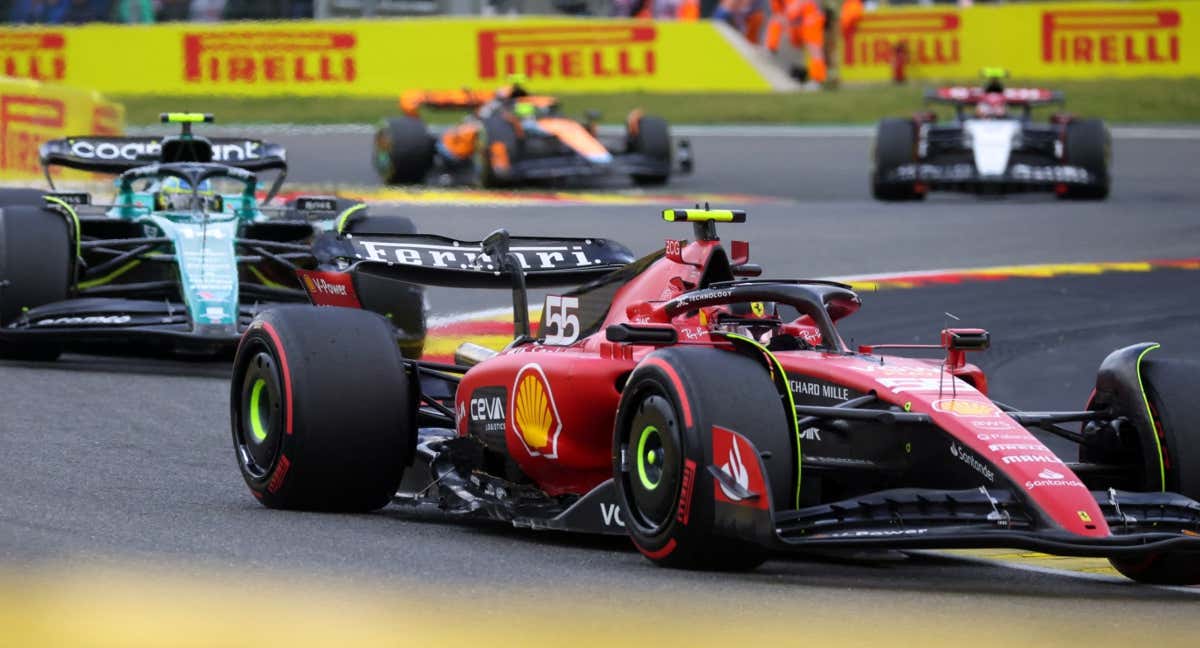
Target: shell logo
535	415
966	407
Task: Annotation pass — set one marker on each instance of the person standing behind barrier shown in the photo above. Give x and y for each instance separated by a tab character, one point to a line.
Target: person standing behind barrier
670	9
746	16
804	21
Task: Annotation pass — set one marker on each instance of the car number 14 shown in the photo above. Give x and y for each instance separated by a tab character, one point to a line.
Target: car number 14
562	324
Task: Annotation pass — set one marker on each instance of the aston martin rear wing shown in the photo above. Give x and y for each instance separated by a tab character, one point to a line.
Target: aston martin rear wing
115	155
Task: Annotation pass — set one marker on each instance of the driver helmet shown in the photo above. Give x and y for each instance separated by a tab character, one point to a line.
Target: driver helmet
176	193
172	184
755	320
525	110
991	106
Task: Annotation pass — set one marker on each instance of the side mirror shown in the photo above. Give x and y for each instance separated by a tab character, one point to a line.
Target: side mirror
495	246
955	339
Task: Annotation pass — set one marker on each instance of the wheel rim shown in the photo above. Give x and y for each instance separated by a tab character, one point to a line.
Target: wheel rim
649	458
655	465
383	153
258	433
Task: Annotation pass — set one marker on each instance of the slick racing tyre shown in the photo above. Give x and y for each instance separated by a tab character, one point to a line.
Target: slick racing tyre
498	150
37	266
895	145
11	197
322	414
404	151
1171	392
652	138
664	448
380	220
1088	146
403	304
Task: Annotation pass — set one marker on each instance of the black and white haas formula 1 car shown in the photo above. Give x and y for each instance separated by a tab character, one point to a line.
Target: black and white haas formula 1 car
991	146
712	417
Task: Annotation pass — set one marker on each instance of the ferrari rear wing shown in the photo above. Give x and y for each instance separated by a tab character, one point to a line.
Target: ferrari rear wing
440	261
498	261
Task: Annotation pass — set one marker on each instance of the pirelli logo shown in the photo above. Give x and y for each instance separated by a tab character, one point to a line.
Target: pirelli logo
926	37
569	52
1111	36
26	122
33	55
270	57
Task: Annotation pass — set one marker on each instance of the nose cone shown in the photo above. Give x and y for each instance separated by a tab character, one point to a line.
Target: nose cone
600	158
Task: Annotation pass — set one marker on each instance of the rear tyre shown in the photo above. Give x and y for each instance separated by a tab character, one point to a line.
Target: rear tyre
895	145
380	220
653	140
1171	391
404	151
403	304
499	140
323	418
37	267
1088	146
663	484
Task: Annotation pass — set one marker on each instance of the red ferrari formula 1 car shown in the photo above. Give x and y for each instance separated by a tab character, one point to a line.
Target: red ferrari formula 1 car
713	417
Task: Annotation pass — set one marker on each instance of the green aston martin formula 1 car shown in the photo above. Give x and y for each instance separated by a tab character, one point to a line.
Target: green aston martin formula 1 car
185	254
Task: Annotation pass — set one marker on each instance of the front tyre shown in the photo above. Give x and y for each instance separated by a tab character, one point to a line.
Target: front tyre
1088	146
663	447
323	418
404	151
37	267
895	145
1171	393
651	136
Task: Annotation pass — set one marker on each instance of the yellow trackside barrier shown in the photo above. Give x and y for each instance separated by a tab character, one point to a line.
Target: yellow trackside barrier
32	112
382	57
1033	41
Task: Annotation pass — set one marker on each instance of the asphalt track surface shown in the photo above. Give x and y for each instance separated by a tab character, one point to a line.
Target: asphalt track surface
125	466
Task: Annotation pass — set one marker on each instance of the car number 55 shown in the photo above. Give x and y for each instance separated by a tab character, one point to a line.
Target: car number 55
562	324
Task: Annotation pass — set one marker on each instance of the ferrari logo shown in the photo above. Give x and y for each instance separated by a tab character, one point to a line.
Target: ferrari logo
1083	516
308	283
535	415
758	308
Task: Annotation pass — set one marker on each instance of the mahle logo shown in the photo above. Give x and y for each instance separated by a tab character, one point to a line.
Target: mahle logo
568	52
1131	36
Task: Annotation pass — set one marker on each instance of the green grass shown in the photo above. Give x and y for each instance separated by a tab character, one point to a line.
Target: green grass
1118	101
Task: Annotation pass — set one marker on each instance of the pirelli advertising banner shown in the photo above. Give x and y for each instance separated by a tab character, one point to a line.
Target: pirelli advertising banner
1035	40
382	57
33	112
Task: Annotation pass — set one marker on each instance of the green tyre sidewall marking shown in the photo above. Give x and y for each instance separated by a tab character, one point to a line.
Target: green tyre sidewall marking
1162	469
647	432
256	417
790	399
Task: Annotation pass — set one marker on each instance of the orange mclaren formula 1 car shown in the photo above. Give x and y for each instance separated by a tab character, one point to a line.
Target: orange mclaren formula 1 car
511	137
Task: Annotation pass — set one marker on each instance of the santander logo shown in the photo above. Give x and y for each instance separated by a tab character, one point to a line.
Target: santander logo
1052	478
